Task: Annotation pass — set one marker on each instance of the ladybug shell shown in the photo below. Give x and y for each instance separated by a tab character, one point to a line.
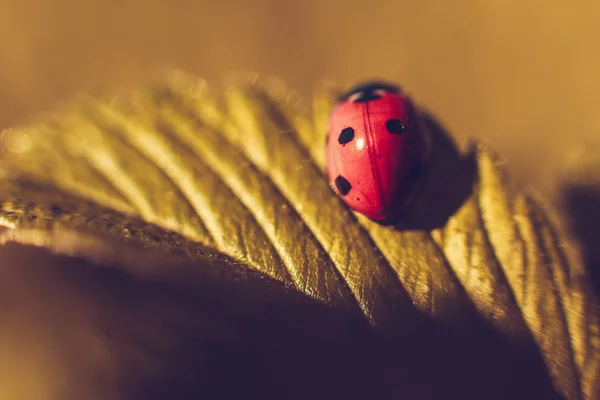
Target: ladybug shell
376	151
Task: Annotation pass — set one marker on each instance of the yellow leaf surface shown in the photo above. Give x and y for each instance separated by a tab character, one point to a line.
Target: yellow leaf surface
239	174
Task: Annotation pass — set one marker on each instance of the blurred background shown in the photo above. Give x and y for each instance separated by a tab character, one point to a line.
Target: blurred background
520	74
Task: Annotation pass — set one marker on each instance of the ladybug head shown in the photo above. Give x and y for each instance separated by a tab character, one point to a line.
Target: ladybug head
369	91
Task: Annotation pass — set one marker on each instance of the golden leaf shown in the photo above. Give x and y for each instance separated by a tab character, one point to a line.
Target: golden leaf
238	177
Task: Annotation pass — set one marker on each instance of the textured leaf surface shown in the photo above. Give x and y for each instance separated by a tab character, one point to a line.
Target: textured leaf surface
239	173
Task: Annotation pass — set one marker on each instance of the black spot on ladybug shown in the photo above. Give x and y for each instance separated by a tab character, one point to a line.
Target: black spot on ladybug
346	136
342	185
416	171
395	126
369	87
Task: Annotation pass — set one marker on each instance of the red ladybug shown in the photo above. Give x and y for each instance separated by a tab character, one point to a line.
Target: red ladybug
377	152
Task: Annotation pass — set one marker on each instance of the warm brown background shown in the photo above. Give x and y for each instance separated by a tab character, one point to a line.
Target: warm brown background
523	74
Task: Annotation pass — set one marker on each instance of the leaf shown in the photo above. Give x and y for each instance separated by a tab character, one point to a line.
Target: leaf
580	202
239	174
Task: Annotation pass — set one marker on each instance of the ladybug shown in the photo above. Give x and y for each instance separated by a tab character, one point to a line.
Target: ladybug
377	152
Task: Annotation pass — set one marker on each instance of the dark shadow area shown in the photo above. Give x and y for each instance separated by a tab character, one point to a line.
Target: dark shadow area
210	330
581	204
449	182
